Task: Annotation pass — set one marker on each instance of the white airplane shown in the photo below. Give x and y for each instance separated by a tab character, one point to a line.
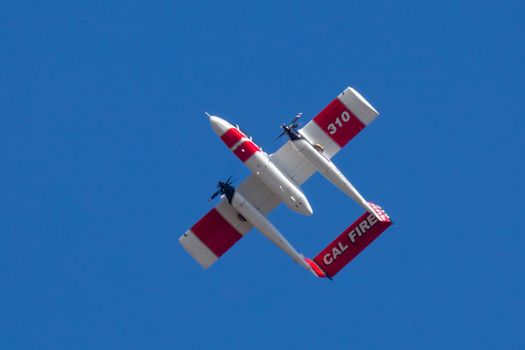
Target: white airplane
277	178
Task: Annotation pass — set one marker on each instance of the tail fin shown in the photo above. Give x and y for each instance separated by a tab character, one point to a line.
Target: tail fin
352	241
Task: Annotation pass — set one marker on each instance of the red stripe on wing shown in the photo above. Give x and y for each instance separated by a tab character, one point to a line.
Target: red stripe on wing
338	122
215	232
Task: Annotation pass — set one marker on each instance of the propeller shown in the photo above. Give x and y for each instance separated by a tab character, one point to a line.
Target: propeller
224	188
290	128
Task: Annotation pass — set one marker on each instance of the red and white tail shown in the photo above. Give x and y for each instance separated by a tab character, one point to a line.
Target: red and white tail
352	241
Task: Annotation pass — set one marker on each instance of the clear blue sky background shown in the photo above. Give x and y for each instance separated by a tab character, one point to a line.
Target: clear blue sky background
107	158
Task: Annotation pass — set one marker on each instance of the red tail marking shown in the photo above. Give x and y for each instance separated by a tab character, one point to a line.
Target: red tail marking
352	241
338	122
215	232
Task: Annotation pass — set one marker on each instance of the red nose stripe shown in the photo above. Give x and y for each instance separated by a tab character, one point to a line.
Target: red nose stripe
246	150
339	123
215	232
231	137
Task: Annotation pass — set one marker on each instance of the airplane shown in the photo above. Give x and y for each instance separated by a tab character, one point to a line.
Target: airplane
277	178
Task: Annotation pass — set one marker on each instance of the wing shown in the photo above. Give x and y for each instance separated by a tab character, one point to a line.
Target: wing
222	227
332	129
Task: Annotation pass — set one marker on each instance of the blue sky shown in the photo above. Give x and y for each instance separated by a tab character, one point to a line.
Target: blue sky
107	158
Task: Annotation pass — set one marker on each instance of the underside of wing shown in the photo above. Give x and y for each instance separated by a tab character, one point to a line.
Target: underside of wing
330	130
339	122
222	227
214	234
293	164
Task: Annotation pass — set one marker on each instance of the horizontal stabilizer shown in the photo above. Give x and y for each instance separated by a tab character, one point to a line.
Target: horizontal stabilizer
352	241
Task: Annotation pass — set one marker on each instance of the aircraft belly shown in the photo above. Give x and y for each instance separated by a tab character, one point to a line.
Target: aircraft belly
279	184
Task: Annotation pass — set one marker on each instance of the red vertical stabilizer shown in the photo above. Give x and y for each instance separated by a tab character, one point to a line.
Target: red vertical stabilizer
352	241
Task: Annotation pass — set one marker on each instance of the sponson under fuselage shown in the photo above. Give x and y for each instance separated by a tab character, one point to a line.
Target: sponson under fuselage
261	166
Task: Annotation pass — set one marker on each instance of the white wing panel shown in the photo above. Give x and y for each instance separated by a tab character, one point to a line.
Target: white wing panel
260	196
316	135
293	164
361	108
197	249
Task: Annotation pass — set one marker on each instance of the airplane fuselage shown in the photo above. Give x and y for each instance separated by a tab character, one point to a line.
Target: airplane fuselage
261	166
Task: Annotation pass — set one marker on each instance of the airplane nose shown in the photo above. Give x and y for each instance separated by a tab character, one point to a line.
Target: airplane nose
219	125
302	207
307	209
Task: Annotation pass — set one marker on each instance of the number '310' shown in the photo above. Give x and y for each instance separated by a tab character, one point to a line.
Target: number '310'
332	127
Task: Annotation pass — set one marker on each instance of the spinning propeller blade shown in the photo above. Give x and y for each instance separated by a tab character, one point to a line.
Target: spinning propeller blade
214	195
294	123
225	188
290	128
278	137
